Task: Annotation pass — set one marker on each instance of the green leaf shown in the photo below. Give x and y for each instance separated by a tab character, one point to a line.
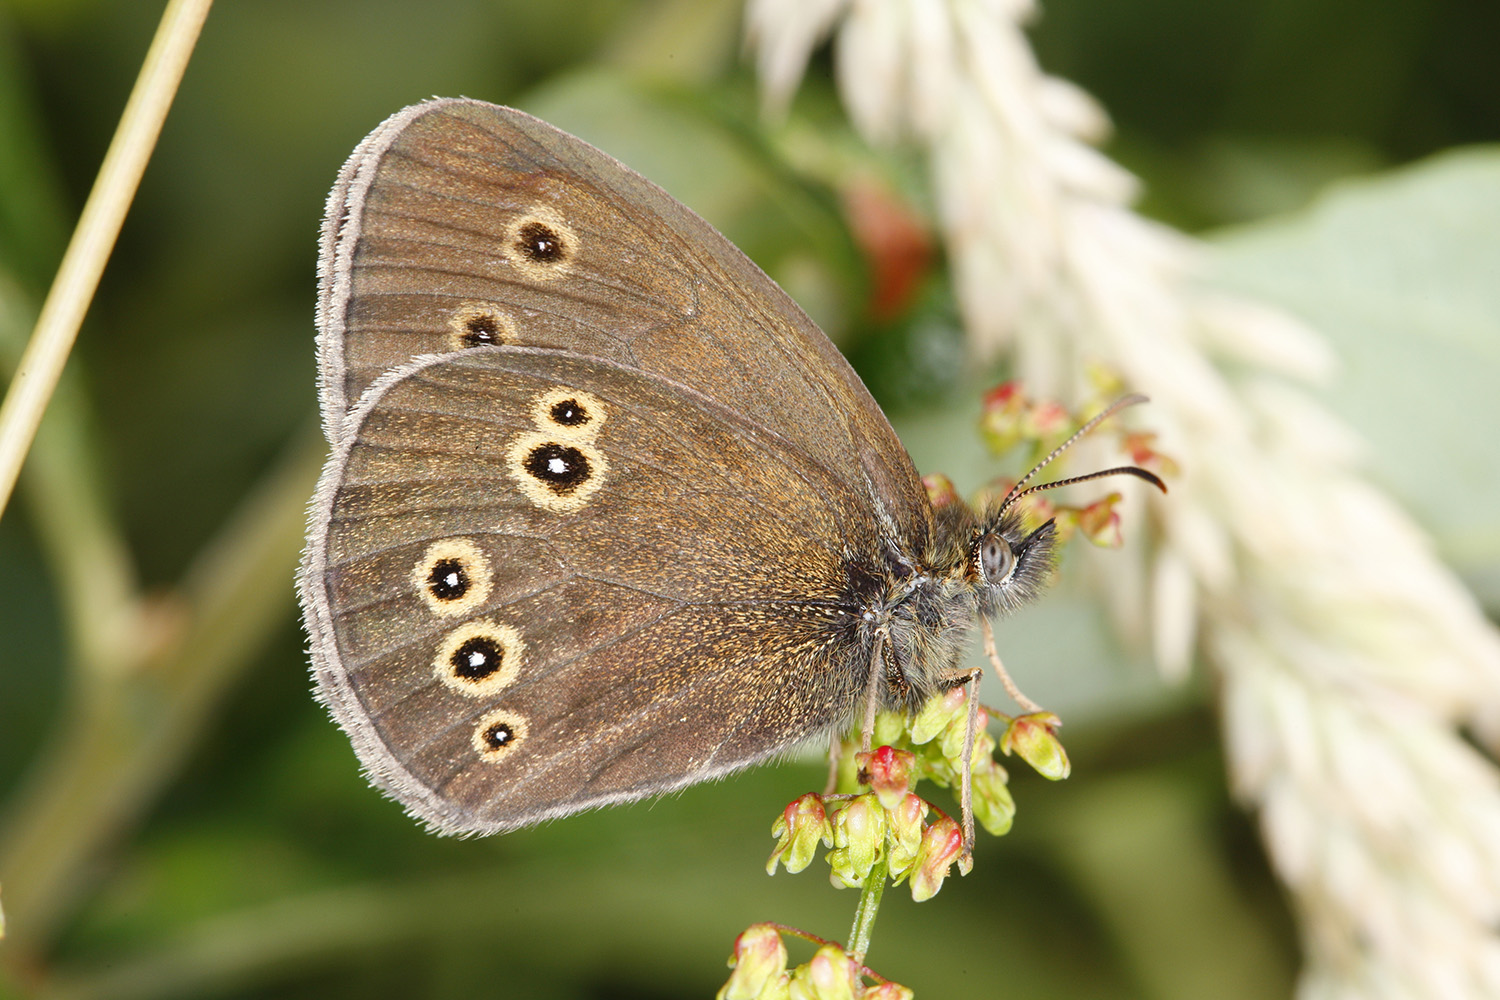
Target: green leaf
1401	272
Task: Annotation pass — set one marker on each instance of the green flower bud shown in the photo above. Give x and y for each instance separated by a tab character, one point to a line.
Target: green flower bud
941	845
939	711
1033	738
800	828
858	840
759	964
830	975
993	807
905	837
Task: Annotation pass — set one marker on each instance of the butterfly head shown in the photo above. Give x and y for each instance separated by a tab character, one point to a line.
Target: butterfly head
1008	565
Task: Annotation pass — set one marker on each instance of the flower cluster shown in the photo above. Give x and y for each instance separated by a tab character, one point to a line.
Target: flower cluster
877	827
879	818
760	973
887	822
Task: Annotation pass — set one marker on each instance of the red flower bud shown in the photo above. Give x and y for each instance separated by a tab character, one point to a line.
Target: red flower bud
940	490
1000	420
941	845
888	772
1100	522
1044	420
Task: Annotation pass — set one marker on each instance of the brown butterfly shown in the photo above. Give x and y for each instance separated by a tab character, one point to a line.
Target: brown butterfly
606	514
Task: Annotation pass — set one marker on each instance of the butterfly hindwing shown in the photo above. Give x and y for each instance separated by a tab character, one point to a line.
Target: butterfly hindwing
630	585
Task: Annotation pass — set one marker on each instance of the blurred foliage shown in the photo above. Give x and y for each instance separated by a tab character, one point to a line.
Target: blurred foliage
1402	273
180	819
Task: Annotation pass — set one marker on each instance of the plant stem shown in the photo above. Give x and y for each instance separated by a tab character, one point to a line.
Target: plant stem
869	906
94	238
127	734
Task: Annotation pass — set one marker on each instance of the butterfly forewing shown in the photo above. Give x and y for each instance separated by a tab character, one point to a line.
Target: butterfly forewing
428	236
461	223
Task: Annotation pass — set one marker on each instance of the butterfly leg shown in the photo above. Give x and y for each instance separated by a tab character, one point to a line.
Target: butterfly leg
966	776
994	656
872	687
872	704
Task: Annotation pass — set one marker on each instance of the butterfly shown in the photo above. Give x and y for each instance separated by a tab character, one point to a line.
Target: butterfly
605	513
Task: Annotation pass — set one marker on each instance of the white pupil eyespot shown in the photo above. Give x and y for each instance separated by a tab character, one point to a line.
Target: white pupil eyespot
476	660
556	466
451	579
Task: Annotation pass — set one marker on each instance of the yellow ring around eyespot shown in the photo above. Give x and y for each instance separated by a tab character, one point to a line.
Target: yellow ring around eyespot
509	644
476	571
544	215
460	320
547	495
519	729
541	414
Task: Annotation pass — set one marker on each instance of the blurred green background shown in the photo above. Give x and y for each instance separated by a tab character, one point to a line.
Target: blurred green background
178	818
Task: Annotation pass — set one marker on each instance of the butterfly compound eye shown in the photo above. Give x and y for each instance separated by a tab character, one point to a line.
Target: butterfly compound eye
996	560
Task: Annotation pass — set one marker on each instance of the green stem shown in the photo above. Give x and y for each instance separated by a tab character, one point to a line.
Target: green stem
78	276
869	906
127	734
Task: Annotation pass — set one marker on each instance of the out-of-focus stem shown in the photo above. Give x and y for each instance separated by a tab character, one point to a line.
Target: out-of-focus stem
126	736
94	238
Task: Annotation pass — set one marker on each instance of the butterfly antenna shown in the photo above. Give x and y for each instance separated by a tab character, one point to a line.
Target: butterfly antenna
1016	493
